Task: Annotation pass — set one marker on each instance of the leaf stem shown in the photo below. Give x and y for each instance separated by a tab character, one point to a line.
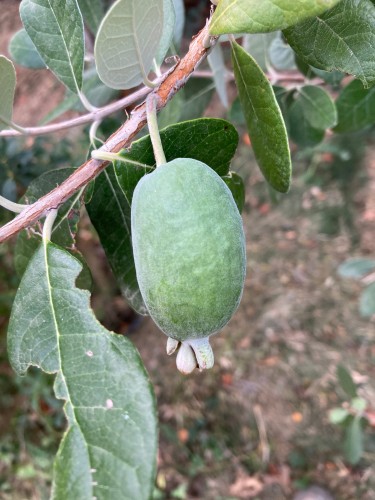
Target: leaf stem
10	205
152	123
48	225
12	125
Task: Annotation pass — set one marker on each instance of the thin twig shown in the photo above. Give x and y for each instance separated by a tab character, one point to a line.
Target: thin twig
175	80
96	115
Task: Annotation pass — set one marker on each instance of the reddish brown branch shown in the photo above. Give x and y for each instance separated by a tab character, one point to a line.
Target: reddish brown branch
175	80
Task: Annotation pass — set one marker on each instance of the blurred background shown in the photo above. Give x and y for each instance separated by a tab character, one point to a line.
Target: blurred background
294	368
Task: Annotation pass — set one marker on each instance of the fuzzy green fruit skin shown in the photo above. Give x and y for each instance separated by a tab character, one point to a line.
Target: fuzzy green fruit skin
189	248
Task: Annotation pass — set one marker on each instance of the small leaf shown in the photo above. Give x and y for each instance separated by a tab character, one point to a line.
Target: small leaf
338	415
56	29
217	65
23	51
169	20
264	120
356	268
253	16
7	89
367	302
301	132
354	441
346	381
127	42
340	39
237	188
355	107
92	12
110	446
318	107
358	404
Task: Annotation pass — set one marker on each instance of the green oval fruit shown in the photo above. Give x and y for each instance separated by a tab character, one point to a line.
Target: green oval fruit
189	251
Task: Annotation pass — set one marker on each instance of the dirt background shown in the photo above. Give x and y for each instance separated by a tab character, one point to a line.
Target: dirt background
256	425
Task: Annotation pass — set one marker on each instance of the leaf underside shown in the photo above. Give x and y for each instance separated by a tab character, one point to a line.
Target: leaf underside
7	89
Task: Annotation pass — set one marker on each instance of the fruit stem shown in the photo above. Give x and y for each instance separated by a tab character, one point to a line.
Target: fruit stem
152	123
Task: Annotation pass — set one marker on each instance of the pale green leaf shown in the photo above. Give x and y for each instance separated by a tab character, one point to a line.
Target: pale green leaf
257	45
356	267
127	42
92	12
264	120
367	302
219	70
358	404
110	446
179	9
23	51
281	55
7	89
169	20
340	39
355	107
318	107
338	415
56	29
254	16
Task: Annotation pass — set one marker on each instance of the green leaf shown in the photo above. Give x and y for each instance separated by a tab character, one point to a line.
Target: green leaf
127	42
216	61
318	107
56	29
169	20
253	16
92	12
300	130
237	187
109	212
356	268
264	120
367	301
338	415
346	381
64	229
7	89
110	446
197	94
354	441
358	404
340	39
212	141
23	51
355	107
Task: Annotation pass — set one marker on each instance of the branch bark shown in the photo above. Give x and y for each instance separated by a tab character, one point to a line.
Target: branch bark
173	82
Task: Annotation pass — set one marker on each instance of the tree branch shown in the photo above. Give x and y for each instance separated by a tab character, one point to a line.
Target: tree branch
173	82
96	115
